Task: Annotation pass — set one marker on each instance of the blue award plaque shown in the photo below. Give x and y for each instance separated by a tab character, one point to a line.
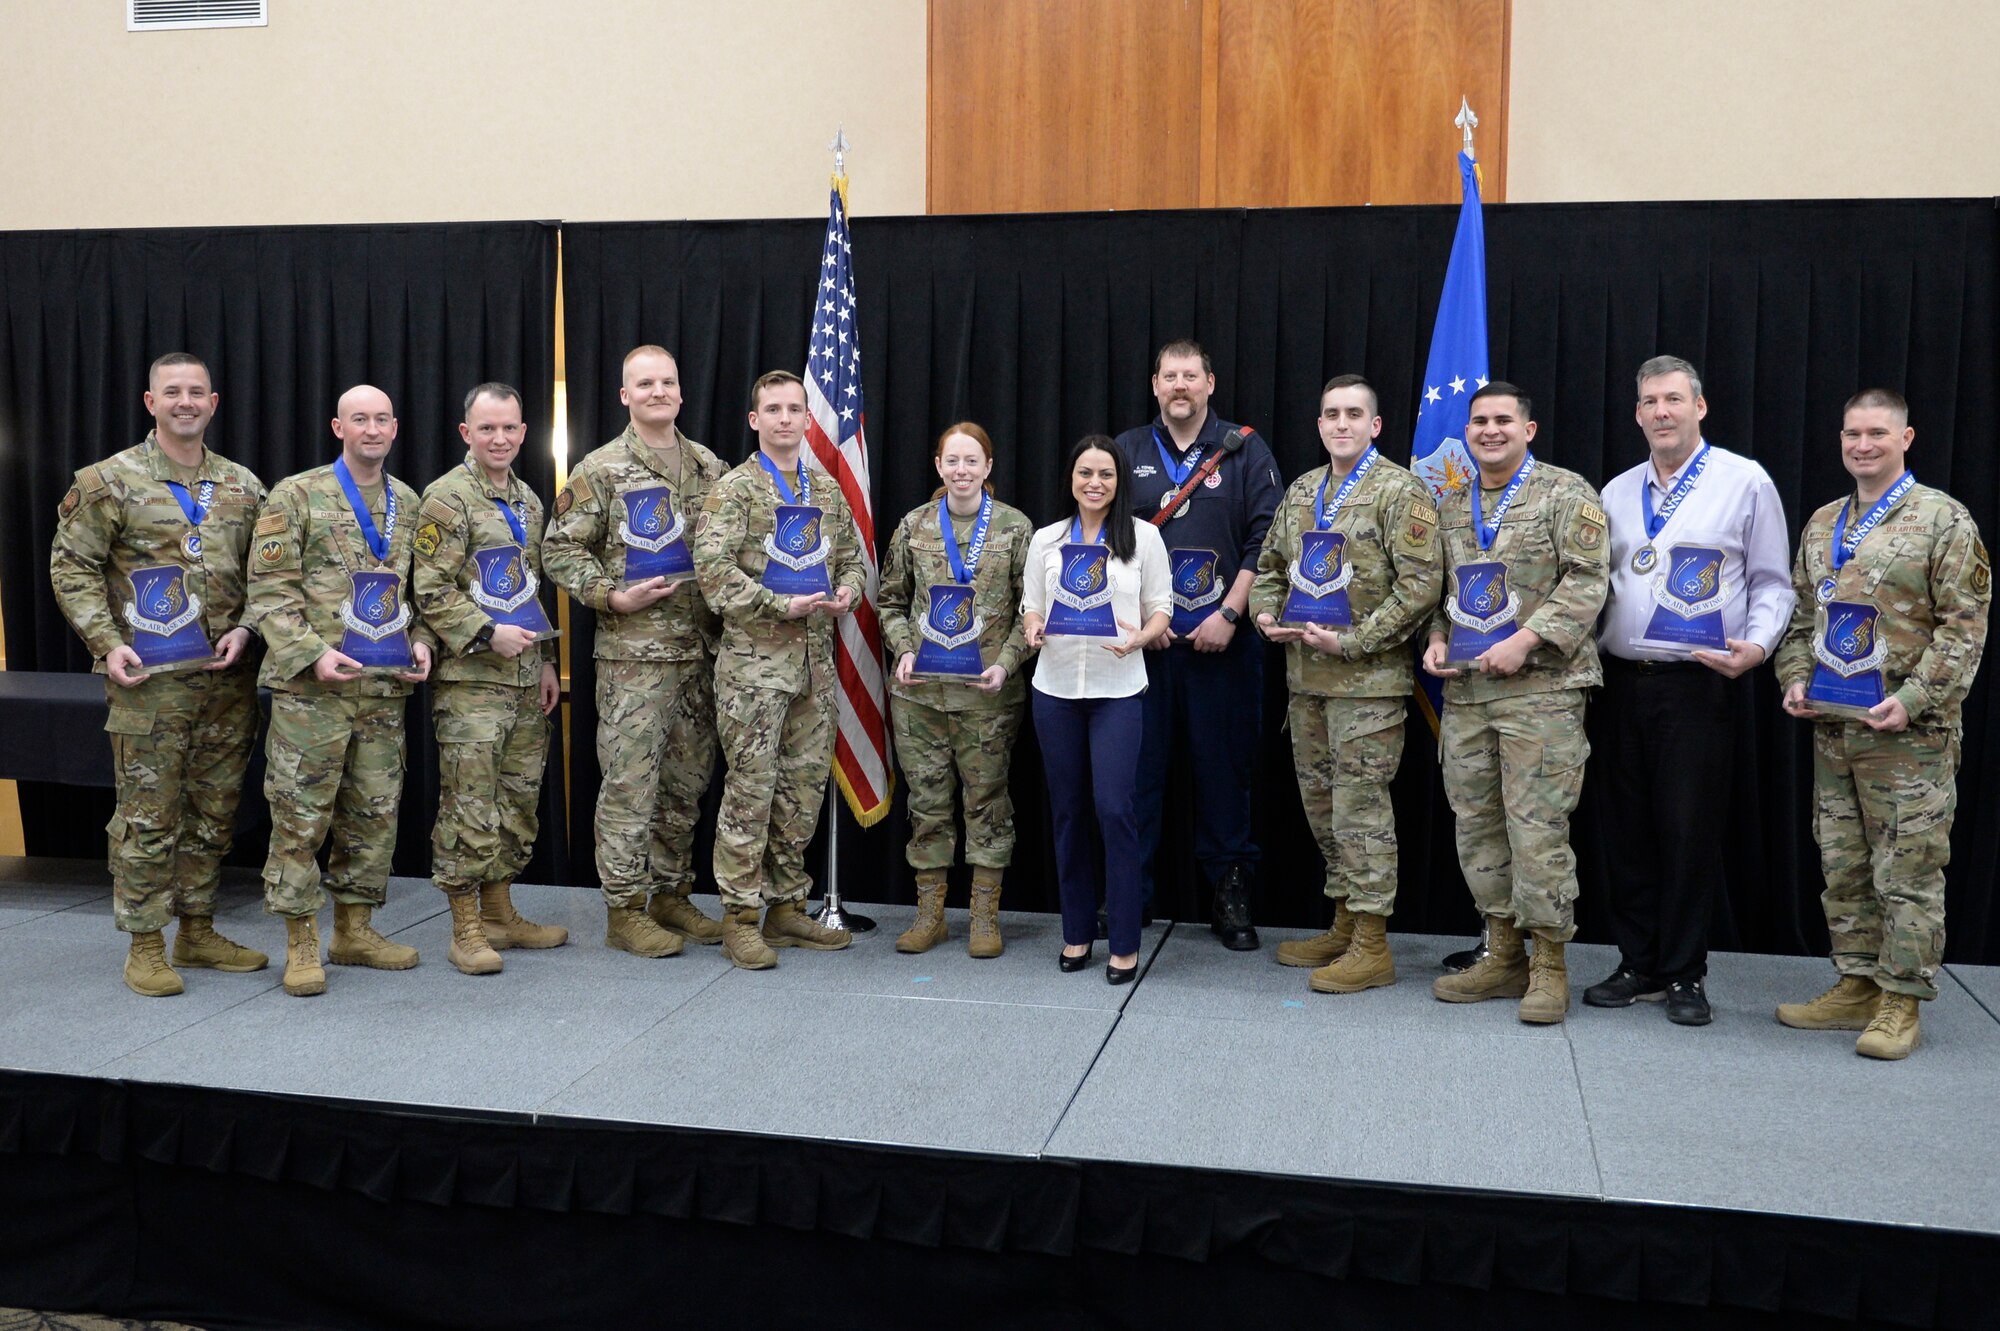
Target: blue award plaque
1848	655
796	552
1082	605
1688	596
949	635
1482	610
166	621
1196	590
506	590
1319	579
654	536
378	620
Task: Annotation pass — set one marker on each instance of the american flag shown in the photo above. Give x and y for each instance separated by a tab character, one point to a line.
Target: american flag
840	449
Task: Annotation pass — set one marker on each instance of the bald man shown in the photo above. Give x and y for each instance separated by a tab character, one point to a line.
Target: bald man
330	596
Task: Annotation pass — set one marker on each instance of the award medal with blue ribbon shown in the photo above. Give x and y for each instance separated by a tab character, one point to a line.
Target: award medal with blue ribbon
654	535
1847	540
1082	598
195	507
796	550
949	629
165	619
1646	558
1848	653
1688	597
1321	573
1177	474
1482	607
375	614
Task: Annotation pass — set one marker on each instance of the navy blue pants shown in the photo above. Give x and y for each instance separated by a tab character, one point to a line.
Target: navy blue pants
1207	709
1090	753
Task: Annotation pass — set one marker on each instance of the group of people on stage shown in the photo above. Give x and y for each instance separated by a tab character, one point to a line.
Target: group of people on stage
716	588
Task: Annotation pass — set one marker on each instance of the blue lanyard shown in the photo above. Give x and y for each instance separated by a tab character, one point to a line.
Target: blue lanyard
196	509
804	494
378	541
1846	542
1656	522
1177	472
963	570
1485	530
1076	531
1328	511
515	522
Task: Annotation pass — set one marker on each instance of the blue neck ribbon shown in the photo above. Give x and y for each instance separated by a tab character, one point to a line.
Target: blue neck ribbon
963	570
1845	540
1328	510
378	541
1485	530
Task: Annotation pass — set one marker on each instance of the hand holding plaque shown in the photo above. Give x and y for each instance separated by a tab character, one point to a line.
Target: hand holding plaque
1848	655
165	619
654	536
1482	610
948	635
1082	602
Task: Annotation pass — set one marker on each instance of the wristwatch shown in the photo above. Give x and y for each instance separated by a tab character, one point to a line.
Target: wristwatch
483	638
1229	613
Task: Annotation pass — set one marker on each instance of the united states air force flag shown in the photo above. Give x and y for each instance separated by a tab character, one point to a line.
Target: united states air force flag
1457	366
1456	369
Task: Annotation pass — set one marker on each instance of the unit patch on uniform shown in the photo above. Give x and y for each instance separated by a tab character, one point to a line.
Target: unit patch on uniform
564	501
1588	535
270	553
69	503
576	492
1418	524
428	539
1982	569
271	523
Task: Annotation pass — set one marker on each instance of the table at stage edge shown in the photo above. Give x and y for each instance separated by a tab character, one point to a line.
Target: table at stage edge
52	728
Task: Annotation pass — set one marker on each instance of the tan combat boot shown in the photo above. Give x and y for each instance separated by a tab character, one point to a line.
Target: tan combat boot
673	912
1321	949
1501	973
356	943
1893	1032
504	927
1547	999
1849	1006
982	938
147	973
470	951
1365	965
927	930
198	947
630	929
742	943
786	924
303	974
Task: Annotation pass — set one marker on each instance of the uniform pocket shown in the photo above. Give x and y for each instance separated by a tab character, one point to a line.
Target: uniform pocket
128	721
467	730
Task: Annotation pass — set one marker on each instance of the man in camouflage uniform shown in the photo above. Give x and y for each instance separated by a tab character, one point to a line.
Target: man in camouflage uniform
334	760
775	676
655	657
1511	740
1349	685
496	686
180	741
1885	784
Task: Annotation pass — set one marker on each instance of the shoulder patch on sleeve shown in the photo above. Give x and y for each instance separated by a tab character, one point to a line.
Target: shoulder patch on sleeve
1591	513
578	491
271	523
1981	577
1586	533
270	552
429	537
69	503
1419	523
90	480
440	511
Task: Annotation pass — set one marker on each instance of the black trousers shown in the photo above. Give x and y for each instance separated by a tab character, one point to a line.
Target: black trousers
1667	737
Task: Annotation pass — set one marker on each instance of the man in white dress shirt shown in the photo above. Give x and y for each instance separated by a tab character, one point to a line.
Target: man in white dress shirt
1699	554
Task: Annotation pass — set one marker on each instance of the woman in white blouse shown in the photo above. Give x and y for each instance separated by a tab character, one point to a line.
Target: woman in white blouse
1086	695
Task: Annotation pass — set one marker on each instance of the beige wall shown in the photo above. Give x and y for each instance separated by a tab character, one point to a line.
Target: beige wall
1752	99
459	110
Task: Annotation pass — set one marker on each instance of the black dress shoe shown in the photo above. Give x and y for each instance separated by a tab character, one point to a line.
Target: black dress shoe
1687	1005
1624	987
1120	974
1071	964
1231	919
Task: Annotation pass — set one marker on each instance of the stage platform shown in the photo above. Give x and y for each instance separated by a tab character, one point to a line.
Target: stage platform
1213	1127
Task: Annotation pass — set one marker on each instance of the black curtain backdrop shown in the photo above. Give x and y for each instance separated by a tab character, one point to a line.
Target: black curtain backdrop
1042	328
287	319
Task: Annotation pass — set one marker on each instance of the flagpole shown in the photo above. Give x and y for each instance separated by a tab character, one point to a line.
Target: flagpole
832	912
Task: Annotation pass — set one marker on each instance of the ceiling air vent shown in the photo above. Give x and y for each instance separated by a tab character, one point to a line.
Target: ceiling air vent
160	15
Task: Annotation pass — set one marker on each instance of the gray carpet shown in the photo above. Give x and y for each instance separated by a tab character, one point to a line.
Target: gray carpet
1212	1060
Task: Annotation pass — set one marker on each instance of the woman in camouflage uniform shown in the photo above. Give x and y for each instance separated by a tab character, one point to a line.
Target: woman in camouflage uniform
958	732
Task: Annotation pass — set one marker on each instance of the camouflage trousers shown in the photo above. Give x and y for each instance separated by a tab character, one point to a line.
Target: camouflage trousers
1882	812
655	751
333	767
180	744
1513	768
941	752
1347	751
493	742
779	747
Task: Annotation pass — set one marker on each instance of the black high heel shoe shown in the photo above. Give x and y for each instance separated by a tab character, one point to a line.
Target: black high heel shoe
1071	965
1114	974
